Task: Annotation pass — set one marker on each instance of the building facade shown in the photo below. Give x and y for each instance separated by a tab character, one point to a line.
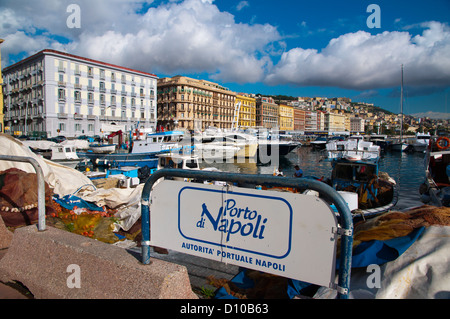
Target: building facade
247	112
357	125
286	117
185	103
299	119
334	122
62	94
266	112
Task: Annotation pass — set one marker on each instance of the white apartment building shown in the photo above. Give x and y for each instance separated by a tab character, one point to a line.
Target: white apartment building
357	125
63	94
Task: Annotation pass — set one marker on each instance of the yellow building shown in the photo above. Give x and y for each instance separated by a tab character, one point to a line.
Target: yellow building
286	118
247	112
1	92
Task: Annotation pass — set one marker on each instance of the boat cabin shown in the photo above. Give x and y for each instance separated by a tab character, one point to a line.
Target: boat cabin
63	153
171	160
355	176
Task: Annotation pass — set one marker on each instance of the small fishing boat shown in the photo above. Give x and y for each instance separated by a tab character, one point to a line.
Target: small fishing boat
436	188
355	174
102	148
65	155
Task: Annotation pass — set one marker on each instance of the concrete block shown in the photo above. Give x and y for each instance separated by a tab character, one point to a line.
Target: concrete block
41	260
5	235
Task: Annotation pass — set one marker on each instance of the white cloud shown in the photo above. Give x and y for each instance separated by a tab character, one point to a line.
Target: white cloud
241	5
363	61
194	36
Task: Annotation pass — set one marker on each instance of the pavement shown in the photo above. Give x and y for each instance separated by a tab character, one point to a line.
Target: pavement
12	291
199	269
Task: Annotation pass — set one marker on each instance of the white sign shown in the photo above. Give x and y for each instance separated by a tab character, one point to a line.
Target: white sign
281	233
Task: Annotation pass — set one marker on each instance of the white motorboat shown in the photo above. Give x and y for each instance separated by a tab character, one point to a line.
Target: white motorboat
157	142
421	142
247	143
281	144
352	150
65	155
215	151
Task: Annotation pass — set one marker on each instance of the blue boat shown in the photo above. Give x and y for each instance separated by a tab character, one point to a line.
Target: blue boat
121	159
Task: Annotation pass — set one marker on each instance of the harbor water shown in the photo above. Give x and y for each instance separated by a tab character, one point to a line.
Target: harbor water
406	168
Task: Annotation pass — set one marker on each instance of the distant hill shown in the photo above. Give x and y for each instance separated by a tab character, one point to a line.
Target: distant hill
433	115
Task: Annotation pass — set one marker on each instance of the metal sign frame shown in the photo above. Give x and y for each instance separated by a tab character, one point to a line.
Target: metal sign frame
346	222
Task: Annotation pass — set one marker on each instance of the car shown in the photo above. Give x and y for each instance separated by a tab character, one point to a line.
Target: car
61	138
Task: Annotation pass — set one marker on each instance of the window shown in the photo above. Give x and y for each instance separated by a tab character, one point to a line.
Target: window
90	71
113	76
61	94
91	127
77	96
77	127
90	98
61	127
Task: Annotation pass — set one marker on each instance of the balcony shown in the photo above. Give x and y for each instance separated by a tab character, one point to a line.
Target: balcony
62	115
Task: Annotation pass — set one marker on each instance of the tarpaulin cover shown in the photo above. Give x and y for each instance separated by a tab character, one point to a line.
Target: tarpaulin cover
71	201
62	179
421	272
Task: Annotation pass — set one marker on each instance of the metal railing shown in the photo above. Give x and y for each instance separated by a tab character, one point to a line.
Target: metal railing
41	184
346	221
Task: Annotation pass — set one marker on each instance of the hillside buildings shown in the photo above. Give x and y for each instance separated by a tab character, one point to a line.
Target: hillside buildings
54	93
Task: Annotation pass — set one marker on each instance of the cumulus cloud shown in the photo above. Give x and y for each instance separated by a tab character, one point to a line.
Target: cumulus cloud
194	36
173	37
363	61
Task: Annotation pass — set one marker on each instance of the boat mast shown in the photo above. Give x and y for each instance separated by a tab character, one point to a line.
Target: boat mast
401	110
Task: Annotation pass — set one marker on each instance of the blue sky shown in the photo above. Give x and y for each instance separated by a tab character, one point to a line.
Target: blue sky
298	48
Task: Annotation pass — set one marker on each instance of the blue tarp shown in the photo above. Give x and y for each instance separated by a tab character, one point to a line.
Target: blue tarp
365	254
70	201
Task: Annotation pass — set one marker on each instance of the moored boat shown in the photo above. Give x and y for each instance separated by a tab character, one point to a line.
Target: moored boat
65	155
102	148
436	188
355	173
421	142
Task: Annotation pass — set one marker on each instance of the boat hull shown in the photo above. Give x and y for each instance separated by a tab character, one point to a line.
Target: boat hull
109	148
